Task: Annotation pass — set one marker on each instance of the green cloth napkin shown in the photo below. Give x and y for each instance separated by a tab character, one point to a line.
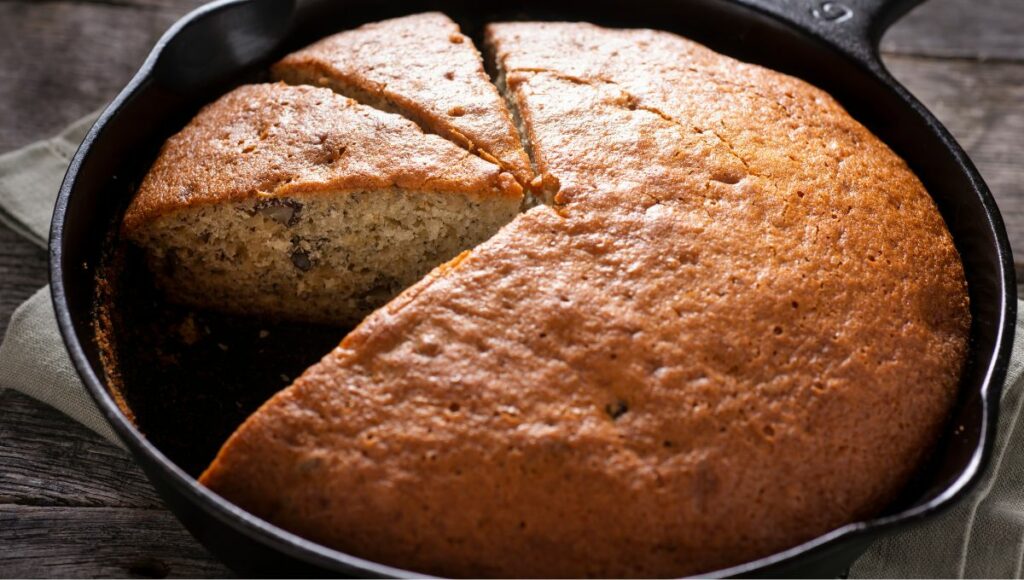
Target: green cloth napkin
32	355
981	537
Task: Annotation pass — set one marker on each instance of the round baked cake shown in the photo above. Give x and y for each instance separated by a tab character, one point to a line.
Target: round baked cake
738	324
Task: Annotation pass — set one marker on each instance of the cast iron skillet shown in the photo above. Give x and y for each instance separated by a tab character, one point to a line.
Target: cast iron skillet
830	44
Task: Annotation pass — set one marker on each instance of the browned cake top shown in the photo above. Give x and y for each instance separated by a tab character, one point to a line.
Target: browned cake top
278	140
678	107
742	326
423	67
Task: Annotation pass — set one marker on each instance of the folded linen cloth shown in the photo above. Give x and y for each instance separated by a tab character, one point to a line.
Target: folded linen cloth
982	536
32	355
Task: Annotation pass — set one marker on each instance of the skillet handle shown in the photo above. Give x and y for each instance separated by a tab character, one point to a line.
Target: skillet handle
216	40
853	26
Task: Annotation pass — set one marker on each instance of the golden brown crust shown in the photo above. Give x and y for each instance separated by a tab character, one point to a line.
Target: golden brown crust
279	140
743	326
423	67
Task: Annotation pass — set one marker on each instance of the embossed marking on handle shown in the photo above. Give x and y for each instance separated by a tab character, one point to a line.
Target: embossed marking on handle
834	12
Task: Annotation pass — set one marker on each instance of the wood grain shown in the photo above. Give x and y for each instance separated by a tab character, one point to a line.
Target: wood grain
70	542
49	461
960	29
71	504
63	59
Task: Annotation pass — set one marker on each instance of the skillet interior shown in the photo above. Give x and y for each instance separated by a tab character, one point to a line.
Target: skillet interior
188	411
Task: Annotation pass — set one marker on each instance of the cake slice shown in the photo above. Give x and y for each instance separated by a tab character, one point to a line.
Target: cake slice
299	203
742	119
741	326
422	67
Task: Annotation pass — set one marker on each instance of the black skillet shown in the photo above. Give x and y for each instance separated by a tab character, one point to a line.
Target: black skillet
830	44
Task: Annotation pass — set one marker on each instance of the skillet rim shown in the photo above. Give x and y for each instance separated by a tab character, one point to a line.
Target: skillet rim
329	559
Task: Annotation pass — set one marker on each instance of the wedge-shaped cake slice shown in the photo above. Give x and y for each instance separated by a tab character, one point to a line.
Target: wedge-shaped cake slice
422	67
747	126
299	203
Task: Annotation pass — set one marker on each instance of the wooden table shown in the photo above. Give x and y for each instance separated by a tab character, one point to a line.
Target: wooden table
72	504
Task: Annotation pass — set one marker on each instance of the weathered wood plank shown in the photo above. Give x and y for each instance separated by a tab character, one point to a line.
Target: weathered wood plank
63	59
975	29
69	542
128	4
49	460
72	504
